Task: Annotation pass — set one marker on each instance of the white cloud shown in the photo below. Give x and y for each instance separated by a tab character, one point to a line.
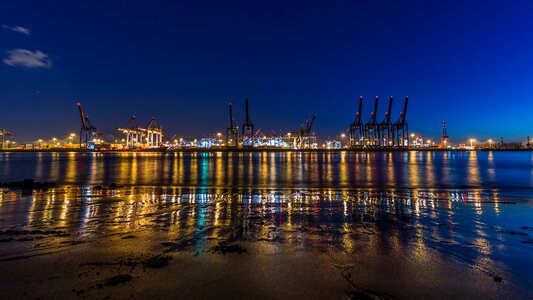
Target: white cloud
27	59
18	29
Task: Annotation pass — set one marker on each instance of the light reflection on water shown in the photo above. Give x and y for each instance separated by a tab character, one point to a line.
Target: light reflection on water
341	170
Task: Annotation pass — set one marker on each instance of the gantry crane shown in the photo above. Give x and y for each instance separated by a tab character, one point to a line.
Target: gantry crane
232	133
248	134
371	130
304	138
88	133
133	132
385	128
356	128
154	133
401	128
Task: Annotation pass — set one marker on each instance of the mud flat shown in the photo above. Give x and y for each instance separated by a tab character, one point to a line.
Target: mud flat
59	244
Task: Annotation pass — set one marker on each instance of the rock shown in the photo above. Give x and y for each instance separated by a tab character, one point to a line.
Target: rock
497	278
228	248
157	261
118	279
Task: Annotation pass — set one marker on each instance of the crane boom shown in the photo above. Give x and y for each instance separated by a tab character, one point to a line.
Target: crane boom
311	123
374	113
231	125
82	117
405	109
387	116
358	121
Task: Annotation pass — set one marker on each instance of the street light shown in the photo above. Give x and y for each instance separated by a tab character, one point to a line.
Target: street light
490	143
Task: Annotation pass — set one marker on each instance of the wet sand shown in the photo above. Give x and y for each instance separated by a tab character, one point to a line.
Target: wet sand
75	243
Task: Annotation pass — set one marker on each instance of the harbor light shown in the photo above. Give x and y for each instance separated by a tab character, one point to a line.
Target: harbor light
472	141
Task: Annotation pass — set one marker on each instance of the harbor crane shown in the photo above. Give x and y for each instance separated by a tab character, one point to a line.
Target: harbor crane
232	132
401	128
356	128
385	128
154	133
133	132
305	139
88	133
371	130
138	136
248	134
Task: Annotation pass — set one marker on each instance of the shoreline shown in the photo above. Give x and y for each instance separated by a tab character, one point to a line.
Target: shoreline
251	150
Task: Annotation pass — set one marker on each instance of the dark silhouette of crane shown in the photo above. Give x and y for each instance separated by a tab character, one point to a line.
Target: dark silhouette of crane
304	137
356	128
385	128
371	130
232	133
88	133
401	128
248	133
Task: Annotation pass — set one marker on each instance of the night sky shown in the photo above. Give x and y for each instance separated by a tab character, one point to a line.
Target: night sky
467	62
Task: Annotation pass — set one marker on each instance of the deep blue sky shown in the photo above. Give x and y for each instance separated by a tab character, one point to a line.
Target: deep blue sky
467	62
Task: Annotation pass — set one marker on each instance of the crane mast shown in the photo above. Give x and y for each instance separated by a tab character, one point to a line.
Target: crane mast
248	135
232	136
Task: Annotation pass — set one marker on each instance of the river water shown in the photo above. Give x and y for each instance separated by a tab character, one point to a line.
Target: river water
474	208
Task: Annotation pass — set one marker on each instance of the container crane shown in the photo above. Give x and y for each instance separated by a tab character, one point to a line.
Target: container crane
248	134
133	132
371	130
232	132
304	137
154	133
356	128
385	128
88	133
401	128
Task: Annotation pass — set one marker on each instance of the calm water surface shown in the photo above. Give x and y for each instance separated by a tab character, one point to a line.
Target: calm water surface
399	170
475	207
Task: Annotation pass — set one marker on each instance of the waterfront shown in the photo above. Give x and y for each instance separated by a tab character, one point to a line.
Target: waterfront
268	225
